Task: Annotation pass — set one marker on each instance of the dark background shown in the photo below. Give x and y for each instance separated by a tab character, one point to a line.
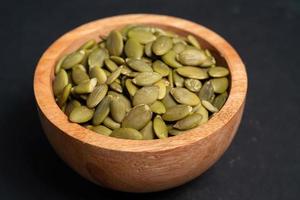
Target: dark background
263	160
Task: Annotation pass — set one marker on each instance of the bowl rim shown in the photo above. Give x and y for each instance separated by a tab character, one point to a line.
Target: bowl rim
47	106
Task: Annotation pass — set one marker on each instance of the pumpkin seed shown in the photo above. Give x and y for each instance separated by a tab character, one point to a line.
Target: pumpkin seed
162	85
139	65
97	95
192	57
81	114
117	109
207	92
220	85
97	57
202	111
170	59
99	74
101	111
168	100
114	43
71	105
79	74
177	112
209	106
191	121
178	80
160	127
183	96
59	64
220	100
122	98
162	45
116	86
192	85
148	132
133	49
88	45
145	95
218	72
131	88
110	65
73	59
127	133
148	49
110	123
101	130
158	107
60	82
146	78
141	36
193	41
85	87
161	68
192	72
175	132
114	76
137	117
118	60
64	95
178	47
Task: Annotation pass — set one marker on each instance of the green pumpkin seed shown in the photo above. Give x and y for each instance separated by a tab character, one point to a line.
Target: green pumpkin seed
114	43
177	40
161	68
85	87
81	114
117	109
114	76
202	111
170	79
97	95
118	60
97	57
71	105
101	130
148	49
139	65
220	100
208	62
73	59
79	74
175	132
168	100
137	117
145	95
192	72
192	57
193	41
133	49
160	127
127	133
62	99
192	85
141	36
146	78
60	82
207	92
102	111
178	47
122	98
178	80
148	132
88	45
183	96
188	122
162	85
110	123
158	107
99	74
162	45
116	86
131	88
177	112
110	65
170	59
59	64
220	85
209	106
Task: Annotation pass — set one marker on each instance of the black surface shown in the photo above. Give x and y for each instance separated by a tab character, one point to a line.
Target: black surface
263	161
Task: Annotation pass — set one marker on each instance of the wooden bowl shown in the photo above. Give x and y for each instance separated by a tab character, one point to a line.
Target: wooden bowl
140	166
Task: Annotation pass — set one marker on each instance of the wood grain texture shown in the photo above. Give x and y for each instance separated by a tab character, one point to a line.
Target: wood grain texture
140	166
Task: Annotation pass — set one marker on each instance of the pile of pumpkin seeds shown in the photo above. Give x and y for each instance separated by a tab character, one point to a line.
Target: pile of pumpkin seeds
140	82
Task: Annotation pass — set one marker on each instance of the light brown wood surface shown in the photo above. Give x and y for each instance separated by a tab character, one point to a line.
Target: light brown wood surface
140	166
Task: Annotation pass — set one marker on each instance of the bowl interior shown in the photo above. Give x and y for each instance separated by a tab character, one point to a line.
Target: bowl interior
74	39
